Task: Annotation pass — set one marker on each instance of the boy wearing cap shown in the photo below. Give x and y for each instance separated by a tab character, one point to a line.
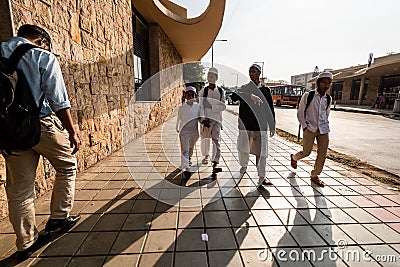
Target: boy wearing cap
313	118
187	127
212	103
256	115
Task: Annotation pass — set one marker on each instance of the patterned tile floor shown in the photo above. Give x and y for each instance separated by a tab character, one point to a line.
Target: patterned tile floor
139	210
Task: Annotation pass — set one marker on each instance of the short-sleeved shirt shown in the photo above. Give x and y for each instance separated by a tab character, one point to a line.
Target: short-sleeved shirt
43	74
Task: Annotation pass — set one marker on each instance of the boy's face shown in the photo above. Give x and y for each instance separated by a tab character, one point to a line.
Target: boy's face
324	84
189	95
212	78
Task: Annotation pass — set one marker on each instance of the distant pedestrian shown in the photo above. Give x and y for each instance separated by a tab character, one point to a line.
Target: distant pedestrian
187	127
314	121
256	116
382	101
212	103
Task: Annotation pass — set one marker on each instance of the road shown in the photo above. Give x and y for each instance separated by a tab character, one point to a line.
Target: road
371	138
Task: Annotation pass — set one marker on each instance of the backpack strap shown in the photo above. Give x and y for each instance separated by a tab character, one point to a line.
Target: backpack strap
17	54
205	93
311	96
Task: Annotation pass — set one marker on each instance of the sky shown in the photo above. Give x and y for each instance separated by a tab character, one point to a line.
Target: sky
293	36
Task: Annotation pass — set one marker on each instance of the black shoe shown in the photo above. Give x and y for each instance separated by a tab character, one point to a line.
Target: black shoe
61	225
42	240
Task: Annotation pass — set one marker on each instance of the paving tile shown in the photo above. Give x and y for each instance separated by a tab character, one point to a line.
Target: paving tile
381	200
144	206
95	206
395	226
166	220
384	232
249	238
360	215
341	201
278	236
291	217
224	258
93	261
235	204
190	219
221	239
332	234
362	201
121	260
382	254
110	222
306	235
66	245
266	217
216	219
97	243
338	216
251	258
190	240
7	242
106	194
128	242
383	215
314	216
44	262
354	256
359	234
190	259
241	218
160	240
120	206
138	221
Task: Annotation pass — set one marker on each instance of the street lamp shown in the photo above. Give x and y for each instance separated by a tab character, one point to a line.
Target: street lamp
212	50
262	69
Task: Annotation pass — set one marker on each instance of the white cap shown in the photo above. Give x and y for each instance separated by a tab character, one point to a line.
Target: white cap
256	66
190	89
213	70
326	74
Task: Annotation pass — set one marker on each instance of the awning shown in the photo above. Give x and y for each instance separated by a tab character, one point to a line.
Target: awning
192	37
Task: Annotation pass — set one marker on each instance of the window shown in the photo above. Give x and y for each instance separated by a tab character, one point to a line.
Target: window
337	90
141	54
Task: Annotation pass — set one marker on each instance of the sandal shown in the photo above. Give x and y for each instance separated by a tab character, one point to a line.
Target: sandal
317	181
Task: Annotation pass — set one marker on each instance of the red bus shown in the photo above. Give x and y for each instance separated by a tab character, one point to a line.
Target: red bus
287	94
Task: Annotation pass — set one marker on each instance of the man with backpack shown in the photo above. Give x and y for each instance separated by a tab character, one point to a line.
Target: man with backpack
313	113
57	139
212	103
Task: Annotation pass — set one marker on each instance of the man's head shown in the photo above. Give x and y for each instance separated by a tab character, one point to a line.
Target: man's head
324	81
212	75
254	73
36	35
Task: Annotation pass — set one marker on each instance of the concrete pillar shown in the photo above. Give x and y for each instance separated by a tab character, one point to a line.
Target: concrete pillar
360	95
6	21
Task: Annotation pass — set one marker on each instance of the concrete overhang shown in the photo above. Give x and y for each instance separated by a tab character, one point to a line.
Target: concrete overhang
192	37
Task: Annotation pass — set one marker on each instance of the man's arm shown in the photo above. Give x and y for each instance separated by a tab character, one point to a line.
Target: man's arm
300	111
65	117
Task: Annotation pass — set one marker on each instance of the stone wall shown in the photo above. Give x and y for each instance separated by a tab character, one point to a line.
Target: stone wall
93	42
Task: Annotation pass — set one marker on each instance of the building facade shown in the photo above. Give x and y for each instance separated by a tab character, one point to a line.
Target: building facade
107	51
362	84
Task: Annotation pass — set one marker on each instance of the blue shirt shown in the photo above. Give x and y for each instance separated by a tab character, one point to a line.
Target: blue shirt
43	74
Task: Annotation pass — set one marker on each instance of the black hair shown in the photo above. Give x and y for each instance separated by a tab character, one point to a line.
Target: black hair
33	31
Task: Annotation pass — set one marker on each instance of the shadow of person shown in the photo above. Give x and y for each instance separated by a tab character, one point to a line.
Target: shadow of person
226	230
312	244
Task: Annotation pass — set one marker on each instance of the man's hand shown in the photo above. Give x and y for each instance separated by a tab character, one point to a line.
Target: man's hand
256	99
271	133
74	142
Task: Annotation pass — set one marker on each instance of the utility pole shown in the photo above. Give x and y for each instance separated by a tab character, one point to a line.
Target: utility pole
212	50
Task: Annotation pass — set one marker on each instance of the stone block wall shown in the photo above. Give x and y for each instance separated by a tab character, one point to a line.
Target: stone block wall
93	42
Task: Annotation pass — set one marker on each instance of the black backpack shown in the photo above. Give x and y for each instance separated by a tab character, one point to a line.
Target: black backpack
205	93
19	115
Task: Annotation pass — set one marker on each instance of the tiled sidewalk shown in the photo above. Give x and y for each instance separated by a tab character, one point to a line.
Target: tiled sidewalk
291	222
